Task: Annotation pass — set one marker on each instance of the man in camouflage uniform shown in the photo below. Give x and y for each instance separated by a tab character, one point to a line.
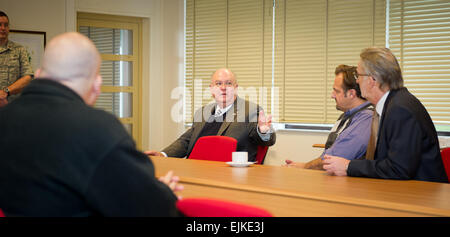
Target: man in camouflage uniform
15	68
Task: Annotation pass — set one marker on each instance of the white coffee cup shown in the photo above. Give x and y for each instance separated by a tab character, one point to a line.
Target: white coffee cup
240	157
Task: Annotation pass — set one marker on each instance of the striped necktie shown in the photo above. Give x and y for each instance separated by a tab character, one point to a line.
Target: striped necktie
371	146
218	113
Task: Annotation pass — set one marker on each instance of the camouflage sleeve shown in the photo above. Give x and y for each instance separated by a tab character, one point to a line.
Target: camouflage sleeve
25	63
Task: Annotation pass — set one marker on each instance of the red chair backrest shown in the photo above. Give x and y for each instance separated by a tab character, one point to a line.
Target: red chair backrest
2	214
217	148
201	207
261	154
445	154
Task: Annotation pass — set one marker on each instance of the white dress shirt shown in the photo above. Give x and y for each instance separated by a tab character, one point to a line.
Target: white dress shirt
380	105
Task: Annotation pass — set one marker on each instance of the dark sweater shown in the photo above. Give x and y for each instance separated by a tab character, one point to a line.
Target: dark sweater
60	157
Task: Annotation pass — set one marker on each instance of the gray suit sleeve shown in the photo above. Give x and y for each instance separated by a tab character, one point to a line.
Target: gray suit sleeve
180	146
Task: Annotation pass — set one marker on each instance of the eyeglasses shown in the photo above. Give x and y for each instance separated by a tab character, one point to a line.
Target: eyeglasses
220	83
357	75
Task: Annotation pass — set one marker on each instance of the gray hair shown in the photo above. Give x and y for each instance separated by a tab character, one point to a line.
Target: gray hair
381	64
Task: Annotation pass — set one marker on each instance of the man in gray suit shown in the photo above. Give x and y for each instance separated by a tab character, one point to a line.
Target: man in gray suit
229	116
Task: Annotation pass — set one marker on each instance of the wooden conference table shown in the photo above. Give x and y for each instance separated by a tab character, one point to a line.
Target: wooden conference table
298	192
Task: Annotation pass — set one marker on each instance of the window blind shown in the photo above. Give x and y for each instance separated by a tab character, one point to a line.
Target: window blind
206	49
305	60
291	56
319	35
245	45
230	34
419	36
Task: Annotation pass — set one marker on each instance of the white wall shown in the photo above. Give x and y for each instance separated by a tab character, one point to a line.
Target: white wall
296	146
173	65
30	15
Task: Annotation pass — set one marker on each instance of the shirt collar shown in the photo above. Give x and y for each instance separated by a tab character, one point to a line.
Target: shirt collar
380	105
5	47
220	112
357	108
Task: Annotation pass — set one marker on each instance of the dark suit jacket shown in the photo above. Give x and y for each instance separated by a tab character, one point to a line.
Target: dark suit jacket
240	123
407	145
60	157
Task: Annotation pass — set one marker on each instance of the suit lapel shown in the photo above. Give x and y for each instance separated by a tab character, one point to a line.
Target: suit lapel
231	115
229	119
197	131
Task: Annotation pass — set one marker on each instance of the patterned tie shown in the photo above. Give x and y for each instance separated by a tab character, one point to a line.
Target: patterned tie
218	113
373	137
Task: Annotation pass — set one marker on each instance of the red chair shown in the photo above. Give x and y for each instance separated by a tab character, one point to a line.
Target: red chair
445	154
217	148
2	214
261	154
201	207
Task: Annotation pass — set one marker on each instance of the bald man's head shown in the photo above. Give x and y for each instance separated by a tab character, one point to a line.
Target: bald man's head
223	73
224	87
70	56
73	60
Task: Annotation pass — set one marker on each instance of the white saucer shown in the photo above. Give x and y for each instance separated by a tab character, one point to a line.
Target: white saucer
240	164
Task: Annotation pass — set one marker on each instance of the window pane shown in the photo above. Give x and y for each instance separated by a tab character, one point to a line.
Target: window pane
118	103
109	40
117	73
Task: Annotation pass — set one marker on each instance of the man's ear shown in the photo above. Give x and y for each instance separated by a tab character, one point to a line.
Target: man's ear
352	93
211	90
95	90
371	81
97	85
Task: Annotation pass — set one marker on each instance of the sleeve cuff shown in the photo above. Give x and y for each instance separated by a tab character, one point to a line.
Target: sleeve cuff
265	136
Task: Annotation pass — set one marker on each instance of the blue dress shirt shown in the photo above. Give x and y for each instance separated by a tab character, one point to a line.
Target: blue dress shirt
352	142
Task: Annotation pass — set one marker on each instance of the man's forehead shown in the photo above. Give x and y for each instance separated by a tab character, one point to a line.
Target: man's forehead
4	19
222	76
338	80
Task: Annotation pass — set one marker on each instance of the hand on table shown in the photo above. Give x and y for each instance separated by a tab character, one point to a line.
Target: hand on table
154	153
3	98
172	181
290	163
335	165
